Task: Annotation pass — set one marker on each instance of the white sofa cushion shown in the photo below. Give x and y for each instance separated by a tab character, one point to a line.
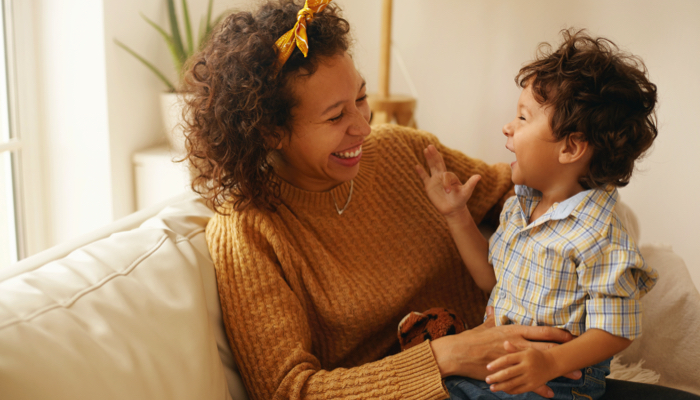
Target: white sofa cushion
670	343
132	316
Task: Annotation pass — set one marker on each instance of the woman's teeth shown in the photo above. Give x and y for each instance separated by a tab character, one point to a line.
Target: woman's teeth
349	154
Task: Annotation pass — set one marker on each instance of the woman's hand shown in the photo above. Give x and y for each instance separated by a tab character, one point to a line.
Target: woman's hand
444	189
468	353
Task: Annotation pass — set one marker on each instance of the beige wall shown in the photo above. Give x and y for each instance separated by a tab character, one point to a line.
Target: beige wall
462	56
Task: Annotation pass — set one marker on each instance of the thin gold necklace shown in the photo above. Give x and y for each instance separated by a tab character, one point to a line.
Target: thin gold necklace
335	203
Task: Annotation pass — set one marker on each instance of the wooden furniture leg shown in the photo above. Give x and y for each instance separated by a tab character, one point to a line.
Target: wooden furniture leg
385	107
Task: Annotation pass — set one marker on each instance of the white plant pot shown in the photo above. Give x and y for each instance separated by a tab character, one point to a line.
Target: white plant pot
171	105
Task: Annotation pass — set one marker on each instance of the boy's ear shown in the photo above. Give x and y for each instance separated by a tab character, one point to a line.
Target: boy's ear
575	148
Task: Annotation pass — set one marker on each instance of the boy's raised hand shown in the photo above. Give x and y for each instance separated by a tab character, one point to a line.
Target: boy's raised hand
444	189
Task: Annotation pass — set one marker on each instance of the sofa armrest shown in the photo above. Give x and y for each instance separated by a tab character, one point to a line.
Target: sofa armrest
129	222
130	313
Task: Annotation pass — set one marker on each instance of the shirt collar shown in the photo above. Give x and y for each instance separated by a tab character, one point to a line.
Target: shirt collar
602	199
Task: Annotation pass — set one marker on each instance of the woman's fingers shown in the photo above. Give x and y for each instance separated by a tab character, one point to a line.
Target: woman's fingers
574	374
544	391
488	323
510	347
537	334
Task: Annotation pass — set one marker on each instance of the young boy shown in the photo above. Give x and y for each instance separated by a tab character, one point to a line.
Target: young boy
560	256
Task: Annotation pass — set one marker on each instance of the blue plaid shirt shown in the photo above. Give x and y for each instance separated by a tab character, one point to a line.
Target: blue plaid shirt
574	268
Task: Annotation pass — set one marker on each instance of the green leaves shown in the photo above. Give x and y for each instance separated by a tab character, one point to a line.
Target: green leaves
188	26
171	87
179	51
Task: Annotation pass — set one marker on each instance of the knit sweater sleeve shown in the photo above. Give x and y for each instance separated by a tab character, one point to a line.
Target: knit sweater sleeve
267	325
494	188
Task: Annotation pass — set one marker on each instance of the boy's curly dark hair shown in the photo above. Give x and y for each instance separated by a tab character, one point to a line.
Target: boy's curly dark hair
601	93
240	105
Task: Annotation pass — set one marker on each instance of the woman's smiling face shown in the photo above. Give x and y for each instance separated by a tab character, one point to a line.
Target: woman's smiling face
330	122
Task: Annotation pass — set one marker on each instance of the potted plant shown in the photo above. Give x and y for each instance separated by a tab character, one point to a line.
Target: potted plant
180	49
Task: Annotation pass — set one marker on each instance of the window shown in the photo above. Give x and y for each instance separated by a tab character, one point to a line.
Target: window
10	153
21	232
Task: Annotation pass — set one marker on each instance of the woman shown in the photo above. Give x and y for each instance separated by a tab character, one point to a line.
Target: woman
324	238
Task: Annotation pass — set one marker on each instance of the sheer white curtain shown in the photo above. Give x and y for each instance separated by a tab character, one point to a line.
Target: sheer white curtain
10	153
22	222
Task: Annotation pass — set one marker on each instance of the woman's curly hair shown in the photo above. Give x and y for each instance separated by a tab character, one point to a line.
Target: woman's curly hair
240	105
597	91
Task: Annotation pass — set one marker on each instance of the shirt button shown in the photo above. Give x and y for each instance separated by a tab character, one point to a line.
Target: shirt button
523	233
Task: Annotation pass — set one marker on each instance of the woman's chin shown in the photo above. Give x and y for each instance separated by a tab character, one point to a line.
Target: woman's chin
345	174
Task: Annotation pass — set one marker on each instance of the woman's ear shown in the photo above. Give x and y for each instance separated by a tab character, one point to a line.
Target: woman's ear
277	141
574	149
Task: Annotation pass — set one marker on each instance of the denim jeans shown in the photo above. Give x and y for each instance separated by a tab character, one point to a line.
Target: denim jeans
590	386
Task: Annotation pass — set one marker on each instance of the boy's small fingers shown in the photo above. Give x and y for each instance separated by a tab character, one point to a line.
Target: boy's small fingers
421	172
441	160
447	183
449	179
470	184
505	374
495	365
435	158
434	169
513	385
428	155
501	363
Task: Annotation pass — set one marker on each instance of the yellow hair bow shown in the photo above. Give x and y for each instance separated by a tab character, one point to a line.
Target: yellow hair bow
297	35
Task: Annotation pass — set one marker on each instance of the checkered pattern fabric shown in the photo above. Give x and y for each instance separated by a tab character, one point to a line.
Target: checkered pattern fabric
575	267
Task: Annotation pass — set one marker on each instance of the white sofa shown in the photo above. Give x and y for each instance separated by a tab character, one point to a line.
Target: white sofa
131	311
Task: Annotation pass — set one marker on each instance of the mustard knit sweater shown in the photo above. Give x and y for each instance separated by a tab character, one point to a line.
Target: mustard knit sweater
312	299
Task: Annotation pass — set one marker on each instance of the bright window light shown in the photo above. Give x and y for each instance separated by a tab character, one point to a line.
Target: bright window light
10	148
8	228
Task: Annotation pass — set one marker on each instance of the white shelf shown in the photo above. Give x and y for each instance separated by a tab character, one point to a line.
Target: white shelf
157	177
